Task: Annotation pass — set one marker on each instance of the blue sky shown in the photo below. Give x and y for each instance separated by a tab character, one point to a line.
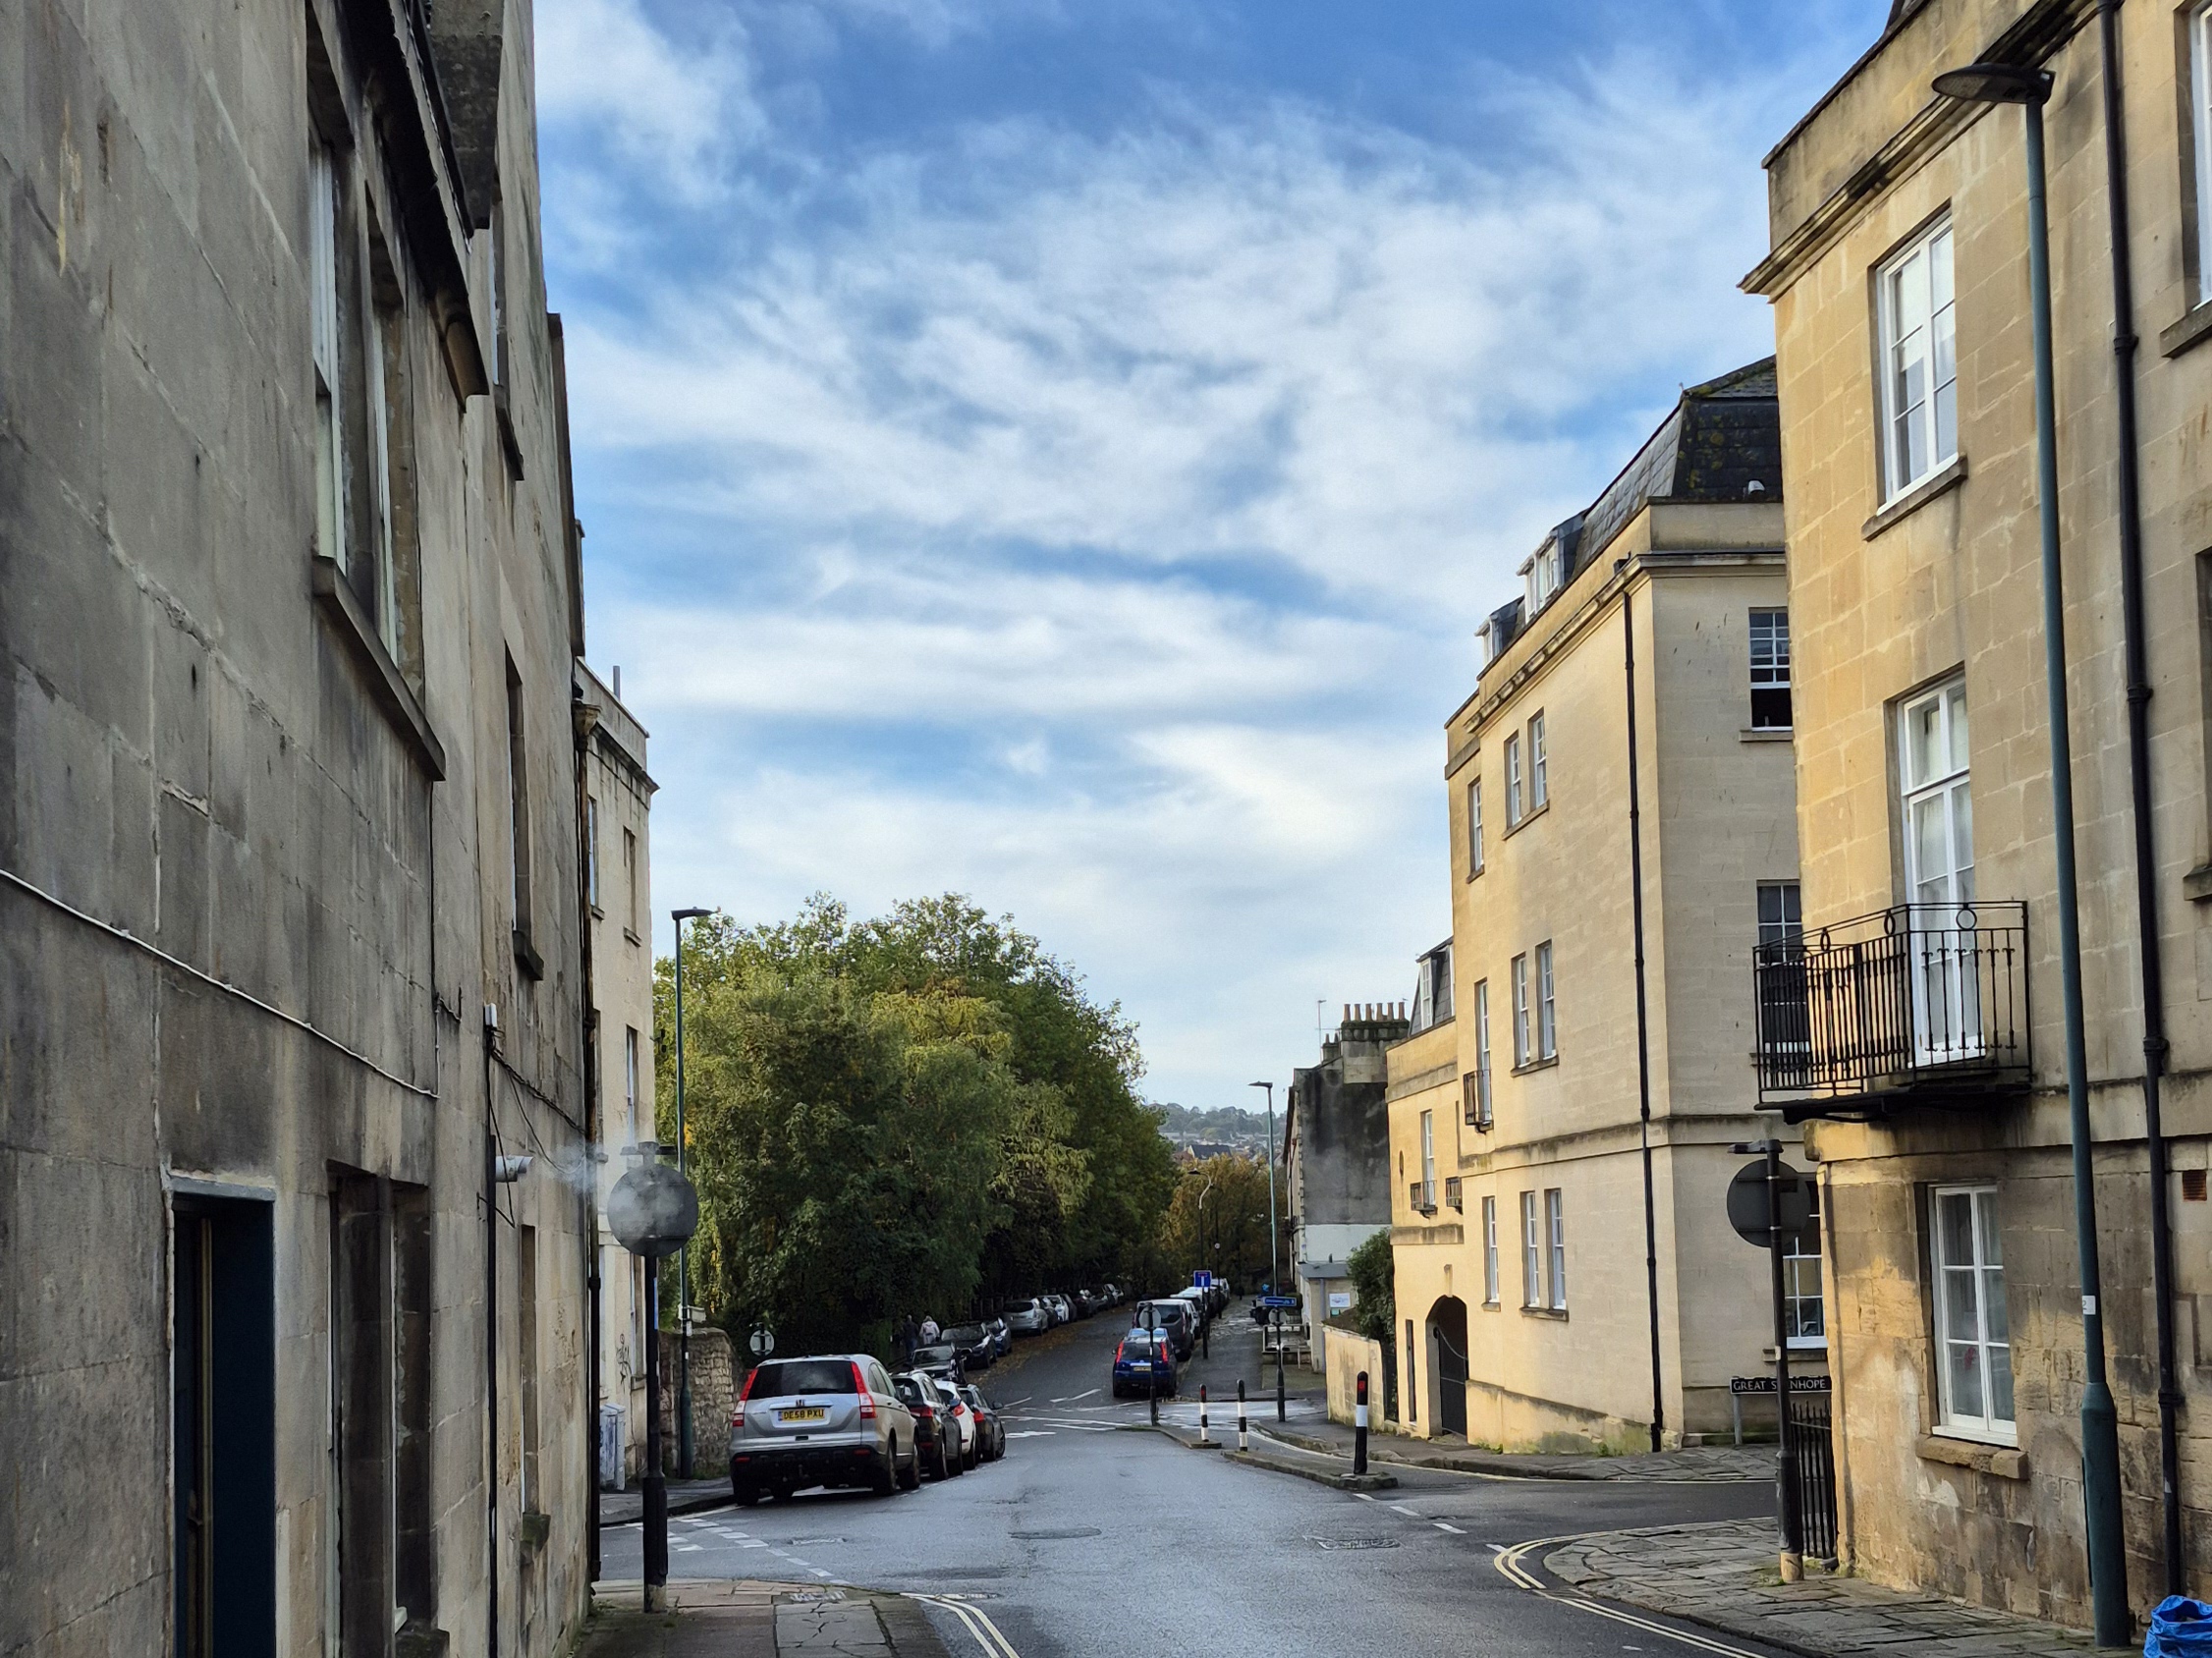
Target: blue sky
1060	452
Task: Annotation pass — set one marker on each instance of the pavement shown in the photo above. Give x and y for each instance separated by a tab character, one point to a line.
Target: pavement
684	1496
1094	1539
1692	1466
747	1619
1723	1576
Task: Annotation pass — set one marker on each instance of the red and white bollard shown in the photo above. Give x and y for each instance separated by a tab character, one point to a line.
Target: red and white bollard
1360	1427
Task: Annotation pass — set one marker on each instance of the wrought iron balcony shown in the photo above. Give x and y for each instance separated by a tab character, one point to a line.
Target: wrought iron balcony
1452	1198
1920	1004
1423	1196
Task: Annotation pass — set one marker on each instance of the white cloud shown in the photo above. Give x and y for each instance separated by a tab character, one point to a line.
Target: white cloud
669	111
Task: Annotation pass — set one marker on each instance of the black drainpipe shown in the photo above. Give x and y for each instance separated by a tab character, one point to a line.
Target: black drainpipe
2123	345
586	720
1644	1022
491	1334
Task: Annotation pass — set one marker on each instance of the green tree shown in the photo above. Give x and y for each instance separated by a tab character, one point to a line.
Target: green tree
1374	1288
1235	1234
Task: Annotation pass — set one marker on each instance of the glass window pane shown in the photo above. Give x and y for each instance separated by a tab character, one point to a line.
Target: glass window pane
1992	1240
1955	702
1955	1228
1924	744
1931	850
1962	1374
1993	1306
2001	1384
1961	1323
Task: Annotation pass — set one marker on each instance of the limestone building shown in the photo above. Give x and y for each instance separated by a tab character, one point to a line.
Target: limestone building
291	991
1336	1153
618	804
1517	1130
1899	278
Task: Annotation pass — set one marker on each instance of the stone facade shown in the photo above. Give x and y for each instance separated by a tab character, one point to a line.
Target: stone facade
1899	584
289	942
1336	1156
714	1391
618	804
1686	547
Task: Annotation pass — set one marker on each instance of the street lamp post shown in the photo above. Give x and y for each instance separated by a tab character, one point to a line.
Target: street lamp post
682	1259
2031	88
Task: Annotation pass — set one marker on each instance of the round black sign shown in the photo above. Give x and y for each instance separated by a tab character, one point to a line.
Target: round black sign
1746	1203
653	1210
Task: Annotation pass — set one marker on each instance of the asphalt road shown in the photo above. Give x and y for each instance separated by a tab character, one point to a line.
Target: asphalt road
1096	1538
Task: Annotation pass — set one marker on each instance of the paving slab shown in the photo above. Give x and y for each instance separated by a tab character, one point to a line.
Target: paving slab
737	1618
1723	1576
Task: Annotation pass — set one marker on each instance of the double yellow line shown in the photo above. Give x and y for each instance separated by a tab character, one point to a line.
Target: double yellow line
1511	1562
988	1636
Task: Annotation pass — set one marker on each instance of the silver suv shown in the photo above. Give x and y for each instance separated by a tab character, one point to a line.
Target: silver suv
834	1420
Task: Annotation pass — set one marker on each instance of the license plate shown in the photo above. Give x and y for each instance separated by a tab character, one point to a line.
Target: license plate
805	1414
1140	1364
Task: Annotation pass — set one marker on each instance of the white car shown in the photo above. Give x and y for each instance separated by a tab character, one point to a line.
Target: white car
1029	1318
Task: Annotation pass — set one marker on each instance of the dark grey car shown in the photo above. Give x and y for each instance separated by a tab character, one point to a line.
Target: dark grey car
832	1420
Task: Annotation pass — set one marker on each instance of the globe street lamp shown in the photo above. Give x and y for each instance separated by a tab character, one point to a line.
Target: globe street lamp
2031	88
683	1257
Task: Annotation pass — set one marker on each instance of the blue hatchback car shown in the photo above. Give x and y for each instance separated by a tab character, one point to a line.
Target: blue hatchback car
1146	1359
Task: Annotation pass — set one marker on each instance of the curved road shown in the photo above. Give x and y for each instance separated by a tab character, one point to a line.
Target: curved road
1095	1539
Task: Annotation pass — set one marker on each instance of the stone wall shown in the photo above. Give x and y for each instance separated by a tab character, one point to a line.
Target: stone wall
1348	1355
713	1391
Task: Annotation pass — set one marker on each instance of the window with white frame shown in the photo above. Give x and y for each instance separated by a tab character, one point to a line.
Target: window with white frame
591	849
1474	827
1555	1238
1547	1022
1770	671
1512	781
1919	396
629	880
323	175
1781	913
1484	1111
1531	1253
2200	119
1489	1251
1974	1358
1428	1160
1937	807
1539	782
1520	1053
630	1074
1805	1319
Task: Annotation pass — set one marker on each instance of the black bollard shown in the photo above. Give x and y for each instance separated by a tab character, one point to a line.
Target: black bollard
1243	1436
1360	1427
1204	1438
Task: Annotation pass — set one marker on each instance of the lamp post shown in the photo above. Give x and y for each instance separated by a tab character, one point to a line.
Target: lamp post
684	1259
2031	88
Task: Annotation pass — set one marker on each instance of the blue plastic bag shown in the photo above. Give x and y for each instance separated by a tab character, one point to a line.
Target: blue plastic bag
2180	1628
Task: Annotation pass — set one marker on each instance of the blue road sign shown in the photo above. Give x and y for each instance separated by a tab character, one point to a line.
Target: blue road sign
1278	1301
1201	1279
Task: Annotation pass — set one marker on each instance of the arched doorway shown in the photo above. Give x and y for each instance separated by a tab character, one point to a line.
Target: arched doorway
1448	1354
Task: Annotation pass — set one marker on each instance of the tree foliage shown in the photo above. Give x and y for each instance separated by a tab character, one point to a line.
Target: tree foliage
1235	1235
916	1113
1374	1286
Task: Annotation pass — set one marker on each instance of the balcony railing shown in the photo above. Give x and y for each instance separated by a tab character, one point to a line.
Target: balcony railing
1918	1003
1452	1198
1423	1196
1474	1094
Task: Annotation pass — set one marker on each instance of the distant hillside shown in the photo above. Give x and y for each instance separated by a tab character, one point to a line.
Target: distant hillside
1225	1125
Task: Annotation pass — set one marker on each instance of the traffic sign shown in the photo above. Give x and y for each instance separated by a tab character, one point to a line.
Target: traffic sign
653	1210
1765	1384
763	1342
1201	1279
1746	1203
1284	1301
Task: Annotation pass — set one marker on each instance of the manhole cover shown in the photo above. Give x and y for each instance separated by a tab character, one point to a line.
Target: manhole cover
1367	1542
1055	1536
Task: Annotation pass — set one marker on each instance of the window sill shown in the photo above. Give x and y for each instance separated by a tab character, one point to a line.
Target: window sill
631	933
1767	734
526	954
1535	1065
1527	817
1491	1306
1558	1314
2198	884
597	913
1991	1456
510	445
339	602
1475	874
1939	482
2195	324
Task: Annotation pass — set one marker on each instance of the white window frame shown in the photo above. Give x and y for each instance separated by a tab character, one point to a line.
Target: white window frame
1474	828
1489	1251
1539	779
1945	970
591	849
2200	121
1547	1010
1986	1425
1555	1228
630	1073
1532	1255
1915	295
1521	1052
1484	1104
1770	661
630	878
324	354
1428	1160
1514	812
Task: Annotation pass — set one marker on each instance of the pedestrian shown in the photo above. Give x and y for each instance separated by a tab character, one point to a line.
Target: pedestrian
904	1336
929	1331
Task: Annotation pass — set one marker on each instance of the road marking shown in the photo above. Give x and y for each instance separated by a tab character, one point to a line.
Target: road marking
1363	1496
1443	1525
1403	1508
1072	1397
1509	1561
977	1622
818	1572
1031	1433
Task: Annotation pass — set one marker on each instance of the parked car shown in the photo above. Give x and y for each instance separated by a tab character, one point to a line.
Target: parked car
971	1429
1175	1318
934	1434
1064	1307
1144	1361
1113	1294
1029	1318
972	1347
939	1351
831	1421
1199	1304
991	1422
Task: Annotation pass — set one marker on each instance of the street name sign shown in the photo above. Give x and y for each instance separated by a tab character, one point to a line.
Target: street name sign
1283	1302
1765	1384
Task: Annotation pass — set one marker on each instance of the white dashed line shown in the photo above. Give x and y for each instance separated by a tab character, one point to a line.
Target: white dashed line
1443	1526
1400	1508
